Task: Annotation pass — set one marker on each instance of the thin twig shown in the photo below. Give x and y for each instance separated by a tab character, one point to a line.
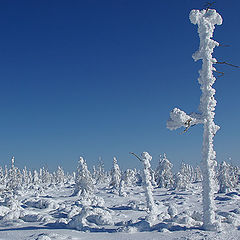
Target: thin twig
208	5
188	123
221	73
136	156
223	45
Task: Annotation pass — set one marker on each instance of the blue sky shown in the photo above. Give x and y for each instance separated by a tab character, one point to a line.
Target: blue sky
99	78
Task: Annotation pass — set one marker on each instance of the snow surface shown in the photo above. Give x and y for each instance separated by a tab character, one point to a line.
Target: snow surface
57	214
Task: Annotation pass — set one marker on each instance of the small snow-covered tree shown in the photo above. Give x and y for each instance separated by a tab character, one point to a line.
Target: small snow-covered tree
115	175
121	190
227	177
14	176
188	171
129	177
83	181
163	173
45	176
35	177
197	174
100	175
2	176
179	181
25	176
60	177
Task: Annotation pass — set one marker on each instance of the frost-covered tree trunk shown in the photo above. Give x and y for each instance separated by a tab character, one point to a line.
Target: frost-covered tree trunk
206	21
147	183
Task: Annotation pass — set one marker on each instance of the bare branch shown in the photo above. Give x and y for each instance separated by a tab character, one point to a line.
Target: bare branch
136	156
229	64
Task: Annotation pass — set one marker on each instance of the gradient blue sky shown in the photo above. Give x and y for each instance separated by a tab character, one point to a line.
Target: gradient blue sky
99	78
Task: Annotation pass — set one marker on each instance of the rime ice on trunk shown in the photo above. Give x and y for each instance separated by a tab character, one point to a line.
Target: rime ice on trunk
206	21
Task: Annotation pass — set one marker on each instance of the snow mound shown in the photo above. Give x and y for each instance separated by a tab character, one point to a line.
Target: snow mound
91	217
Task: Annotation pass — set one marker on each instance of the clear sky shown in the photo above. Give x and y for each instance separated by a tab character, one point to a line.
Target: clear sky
98	78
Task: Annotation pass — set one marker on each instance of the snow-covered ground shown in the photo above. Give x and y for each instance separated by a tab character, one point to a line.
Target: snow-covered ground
53	212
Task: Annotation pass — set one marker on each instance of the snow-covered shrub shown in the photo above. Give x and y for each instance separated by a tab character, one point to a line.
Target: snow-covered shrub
163	173
83	182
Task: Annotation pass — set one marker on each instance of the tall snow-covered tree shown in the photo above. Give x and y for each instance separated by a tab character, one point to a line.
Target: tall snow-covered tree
206	20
